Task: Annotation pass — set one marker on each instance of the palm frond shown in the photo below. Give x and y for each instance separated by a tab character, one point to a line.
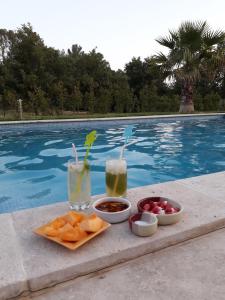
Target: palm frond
166	41
188	56
194	51
212	38
174	35
160	58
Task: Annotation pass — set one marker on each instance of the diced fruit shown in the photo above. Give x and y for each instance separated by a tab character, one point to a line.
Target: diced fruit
169	210
73	234
168	206
152	205
58	223
91	224
156	210
147	207
50	231
163	204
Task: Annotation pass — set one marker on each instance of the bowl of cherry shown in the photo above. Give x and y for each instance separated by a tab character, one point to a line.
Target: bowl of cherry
167	211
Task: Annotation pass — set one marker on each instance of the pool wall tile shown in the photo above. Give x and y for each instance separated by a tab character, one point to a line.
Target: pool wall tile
95	122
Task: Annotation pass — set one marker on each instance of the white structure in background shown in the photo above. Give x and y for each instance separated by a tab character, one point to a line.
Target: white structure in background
20	108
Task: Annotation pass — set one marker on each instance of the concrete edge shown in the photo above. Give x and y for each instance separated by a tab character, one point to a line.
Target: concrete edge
124	255
101	273
129	254
112	118
20	284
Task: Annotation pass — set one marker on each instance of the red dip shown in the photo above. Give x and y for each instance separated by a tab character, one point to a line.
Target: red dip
111	206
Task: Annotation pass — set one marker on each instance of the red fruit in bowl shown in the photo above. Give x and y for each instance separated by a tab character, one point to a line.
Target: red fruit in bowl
151	202
176	209
147	207
159	204
154	204
156	210
169	210
163	204
169	206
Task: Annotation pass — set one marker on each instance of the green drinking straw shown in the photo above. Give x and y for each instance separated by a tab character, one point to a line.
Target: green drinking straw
90	138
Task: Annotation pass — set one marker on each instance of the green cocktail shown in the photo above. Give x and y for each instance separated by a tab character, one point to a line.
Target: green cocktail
79	186
116	178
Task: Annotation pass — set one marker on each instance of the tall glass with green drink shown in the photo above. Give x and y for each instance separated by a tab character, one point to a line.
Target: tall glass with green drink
79	185
116	177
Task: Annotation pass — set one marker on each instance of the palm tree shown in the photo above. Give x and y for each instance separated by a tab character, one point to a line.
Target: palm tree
195	51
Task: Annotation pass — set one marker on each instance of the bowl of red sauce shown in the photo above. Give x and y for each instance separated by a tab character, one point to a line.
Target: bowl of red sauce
112	209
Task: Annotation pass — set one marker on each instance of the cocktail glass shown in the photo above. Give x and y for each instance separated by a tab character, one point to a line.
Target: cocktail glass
79	185
116	178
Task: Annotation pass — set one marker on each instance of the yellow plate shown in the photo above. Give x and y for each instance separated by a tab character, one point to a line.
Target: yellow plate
71	245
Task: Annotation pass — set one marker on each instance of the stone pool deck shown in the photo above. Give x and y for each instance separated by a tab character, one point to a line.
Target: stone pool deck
172	264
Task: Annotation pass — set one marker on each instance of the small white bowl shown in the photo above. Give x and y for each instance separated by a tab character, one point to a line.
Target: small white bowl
113	217
148	225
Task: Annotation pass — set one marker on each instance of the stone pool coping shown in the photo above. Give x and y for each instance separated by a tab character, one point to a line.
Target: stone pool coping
112	118
30	263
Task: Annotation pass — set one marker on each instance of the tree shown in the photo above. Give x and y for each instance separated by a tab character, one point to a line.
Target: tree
6	40
58	96
149	98
54	81
211	102
122	97
136	74
7	100
38	101
195	51
103	101
76	97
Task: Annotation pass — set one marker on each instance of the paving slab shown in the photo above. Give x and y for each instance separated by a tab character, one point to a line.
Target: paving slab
47	264
192	270
212	185
12	275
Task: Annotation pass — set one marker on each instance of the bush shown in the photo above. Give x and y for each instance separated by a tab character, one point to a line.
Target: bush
211	102
198	102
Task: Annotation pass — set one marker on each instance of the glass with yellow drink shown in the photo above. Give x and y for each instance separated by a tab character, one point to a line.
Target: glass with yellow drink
79	185
116	177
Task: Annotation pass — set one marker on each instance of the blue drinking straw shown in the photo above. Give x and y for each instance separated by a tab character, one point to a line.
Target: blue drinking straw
128	132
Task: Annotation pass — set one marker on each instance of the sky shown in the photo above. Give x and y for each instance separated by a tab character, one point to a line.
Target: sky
120	29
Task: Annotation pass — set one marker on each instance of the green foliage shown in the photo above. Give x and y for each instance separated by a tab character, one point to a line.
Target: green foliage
8	100
211	102
198	101
51	81
38	101
195	53
192	49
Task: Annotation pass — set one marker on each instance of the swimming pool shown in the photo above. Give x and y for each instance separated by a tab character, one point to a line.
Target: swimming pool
33	157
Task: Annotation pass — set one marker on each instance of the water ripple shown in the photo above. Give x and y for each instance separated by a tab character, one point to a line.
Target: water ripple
33	160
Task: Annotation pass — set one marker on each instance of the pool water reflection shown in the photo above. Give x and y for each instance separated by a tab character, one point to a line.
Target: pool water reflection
33	159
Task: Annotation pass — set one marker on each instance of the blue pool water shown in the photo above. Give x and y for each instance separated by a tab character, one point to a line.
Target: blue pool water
33	158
